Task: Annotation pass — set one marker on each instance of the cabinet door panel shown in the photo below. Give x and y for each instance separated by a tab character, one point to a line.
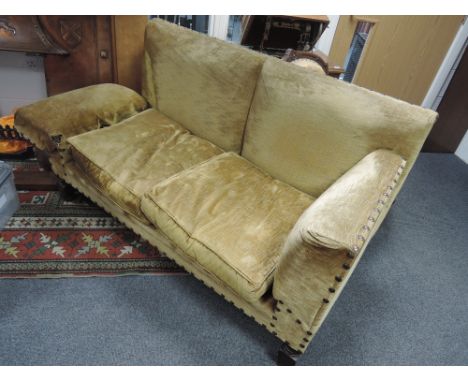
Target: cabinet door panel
89	41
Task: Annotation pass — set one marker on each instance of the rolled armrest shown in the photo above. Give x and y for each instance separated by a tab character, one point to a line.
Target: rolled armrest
325	241
52	120
344	216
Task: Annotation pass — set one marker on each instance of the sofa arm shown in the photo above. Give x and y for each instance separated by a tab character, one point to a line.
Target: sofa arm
328	237
51	121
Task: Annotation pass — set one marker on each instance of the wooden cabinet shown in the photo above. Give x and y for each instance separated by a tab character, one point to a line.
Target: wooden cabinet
275	34
101	49
128	45
89	61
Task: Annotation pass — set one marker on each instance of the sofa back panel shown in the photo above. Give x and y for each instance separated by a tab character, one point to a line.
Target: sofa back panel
203	83
308	129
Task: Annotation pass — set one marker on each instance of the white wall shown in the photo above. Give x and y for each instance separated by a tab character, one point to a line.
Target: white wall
325	41
22	80
218	26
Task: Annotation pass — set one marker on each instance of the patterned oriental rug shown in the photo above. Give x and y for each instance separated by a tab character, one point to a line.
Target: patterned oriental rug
51	237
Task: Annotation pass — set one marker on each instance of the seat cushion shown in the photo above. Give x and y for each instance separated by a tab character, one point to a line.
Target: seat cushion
126	159
231	217
203	83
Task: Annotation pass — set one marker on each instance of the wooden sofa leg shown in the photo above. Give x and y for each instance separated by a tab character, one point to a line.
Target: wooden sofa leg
287	356
68	193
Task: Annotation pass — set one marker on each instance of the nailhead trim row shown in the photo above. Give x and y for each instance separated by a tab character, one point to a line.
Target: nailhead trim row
364	232
79	188
308	333
363	235
355	248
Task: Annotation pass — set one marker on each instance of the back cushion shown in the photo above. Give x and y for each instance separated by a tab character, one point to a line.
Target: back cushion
308	129
203	83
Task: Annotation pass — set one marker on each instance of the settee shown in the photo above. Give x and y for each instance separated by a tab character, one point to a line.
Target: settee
264	180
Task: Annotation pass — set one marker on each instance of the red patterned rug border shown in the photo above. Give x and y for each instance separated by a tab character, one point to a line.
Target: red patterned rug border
50	237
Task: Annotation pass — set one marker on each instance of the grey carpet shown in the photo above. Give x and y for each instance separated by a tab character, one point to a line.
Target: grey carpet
406	303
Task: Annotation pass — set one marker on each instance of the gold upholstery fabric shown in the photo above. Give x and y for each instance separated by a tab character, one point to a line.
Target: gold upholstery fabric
203	83
248	226
127	159
307	129
76	112
230	216
332	232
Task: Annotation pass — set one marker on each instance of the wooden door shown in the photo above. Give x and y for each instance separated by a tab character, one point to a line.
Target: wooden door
402	53
88	39
452	124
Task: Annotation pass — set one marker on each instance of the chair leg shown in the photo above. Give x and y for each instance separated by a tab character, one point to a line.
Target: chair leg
287	356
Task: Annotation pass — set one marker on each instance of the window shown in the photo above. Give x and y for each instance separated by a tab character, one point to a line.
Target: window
195	22
234	33
358	42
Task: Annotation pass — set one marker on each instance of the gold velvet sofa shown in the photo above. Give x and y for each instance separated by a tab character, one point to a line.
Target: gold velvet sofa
264	180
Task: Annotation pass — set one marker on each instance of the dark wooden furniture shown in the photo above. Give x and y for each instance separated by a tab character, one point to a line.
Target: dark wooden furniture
452	124
88	42
78	51
275	34
127	38
27	34
36	181
101	49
